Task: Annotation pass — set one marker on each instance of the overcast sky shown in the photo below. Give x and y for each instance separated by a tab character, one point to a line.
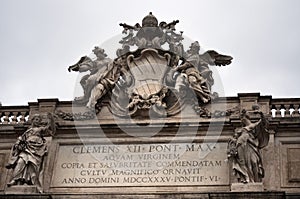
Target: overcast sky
39	39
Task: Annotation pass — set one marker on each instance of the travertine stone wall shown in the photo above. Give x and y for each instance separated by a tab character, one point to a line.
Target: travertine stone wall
165	162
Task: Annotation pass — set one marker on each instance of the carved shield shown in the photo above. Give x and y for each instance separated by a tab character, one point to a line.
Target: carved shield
148	72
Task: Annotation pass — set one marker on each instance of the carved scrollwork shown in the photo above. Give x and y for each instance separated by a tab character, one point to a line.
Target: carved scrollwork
205	113
88	115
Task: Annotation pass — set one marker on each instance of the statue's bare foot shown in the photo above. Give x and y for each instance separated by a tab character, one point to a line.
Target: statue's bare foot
11	183
204	100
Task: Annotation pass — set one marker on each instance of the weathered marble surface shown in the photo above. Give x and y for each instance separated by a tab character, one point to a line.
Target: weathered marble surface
141	165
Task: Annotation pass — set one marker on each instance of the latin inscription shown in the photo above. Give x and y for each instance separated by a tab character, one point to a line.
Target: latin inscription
141	165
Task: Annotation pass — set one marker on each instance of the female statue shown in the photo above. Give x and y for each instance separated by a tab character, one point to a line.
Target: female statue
29	151
244	148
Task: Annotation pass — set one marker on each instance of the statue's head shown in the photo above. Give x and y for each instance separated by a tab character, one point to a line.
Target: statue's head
36	120
195	47
245	118
99	52
150	21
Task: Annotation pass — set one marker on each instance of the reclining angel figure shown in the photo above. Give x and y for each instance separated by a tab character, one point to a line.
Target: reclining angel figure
101	77
195	71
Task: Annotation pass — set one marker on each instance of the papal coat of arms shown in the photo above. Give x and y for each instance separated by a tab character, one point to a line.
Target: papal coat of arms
157	78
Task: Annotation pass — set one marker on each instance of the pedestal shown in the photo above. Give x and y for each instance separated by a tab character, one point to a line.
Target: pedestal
241	187
21	189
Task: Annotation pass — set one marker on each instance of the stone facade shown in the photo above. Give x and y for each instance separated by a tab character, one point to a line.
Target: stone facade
72	164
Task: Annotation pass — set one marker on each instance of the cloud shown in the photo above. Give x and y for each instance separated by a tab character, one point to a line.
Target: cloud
40	39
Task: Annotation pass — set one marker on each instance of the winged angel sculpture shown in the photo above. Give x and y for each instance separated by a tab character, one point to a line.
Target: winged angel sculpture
155	78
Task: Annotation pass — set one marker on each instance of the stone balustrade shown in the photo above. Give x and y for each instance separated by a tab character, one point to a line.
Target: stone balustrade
285	107
14	114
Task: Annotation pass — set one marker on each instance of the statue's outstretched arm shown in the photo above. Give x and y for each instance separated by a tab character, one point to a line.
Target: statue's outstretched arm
84	64
214	58
262	132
